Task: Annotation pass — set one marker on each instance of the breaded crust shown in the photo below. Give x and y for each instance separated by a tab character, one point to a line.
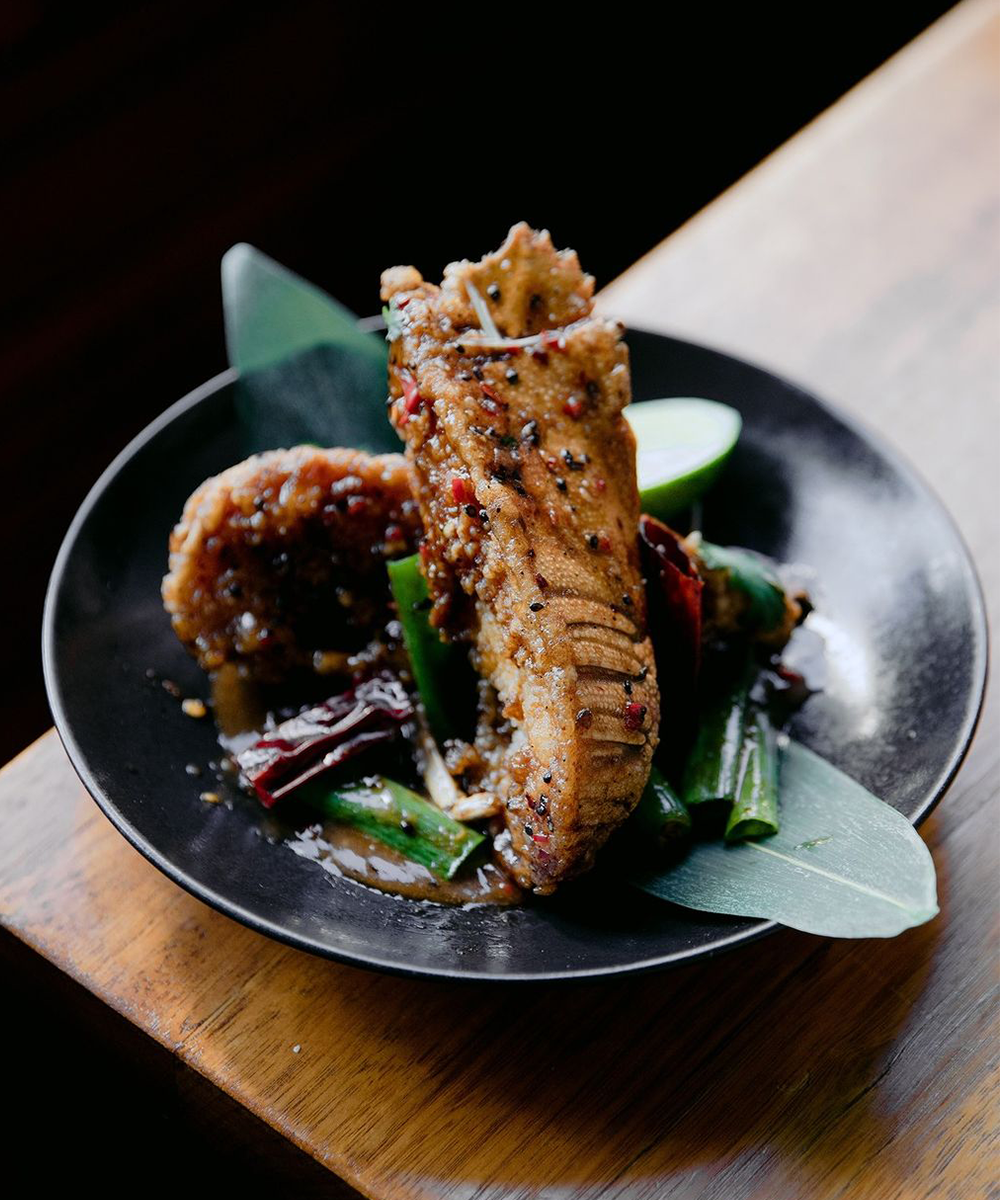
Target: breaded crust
281	558
524	471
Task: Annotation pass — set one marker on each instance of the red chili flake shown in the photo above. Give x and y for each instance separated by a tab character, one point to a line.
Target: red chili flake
542	582
540	837
553	339
552	463
634	715
584	718
600	484
412	400
393	533
530	800
573	408
461	492
605	544
356	504
488	391
425	552
403	302
540	356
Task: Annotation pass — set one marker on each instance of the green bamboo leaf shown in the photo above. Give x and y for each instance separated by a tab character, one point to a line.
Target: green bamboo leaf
307	373
271	313
844	863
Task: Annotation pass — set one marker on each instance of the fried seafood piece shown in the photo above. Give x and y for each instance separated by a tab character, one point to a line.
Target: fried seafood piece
279	562
524	470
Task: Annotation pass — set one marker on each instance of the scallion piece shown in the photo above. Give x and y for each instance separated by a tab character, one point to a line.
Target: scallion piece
755	809
661	817
399	818
712	772
440	669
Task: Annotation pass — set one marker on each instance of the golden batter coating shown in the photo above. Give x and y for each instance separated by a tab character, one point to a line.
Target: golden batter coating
278	563
509	396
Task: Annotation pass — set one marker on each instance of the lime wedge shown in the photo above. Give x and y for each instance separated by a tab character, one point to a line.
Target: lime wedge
682	444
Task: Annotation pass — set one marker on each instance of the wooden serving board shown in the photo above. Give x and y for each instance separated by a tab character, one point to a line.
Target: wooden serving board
861	259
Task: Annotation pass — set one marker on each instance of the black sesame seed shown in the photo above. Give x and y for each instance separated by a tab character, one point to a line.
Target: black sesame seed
628	687
493	291
483	515
459	347
543	804
536	606
535	302
547	777
561	484
627	600
641	677
511	375
594	541
471	511
478	372
529	832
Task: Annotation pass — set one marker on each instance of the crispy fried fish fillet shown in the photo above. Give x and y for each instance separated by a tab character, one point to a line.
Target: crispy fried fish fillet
280	560
524	471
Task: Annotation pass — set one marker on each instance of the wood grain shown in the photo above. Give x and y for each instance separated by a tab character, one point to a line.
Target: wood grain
861	260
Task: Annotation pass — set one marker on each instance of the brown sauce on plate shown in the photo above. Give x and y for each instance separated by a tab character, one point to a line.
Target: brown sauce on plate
346	852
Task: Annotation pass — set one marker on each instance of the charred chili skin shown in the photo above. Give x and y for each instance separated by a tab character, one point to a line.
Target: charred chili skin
324	736
674	599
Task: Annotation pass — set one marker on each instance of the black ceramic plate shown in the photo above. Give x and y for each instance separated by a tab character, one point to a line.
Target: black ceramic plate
898	605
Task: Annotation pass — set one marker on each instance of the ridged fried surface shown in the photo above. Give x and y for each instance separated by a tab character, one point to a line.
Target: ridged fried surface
525	477
281	559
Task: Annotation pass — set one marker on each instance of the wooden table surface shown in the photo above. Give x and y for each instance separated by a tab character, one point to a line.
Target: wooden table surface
862	260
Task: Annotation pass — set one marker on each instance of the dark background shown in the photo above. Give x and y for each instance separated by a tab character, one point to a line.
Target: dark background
138	142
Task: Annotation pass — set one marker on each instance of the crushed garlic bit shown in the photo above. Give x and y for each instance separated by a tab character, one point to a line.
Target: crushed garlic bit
475	807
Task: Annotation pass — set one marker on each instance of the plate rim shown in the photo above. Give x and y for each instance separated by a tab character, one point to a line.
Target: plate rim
207	895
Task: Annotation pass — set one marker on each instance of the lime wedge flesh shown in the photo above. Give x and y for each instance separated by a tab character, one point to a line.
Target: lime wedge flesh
682	444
